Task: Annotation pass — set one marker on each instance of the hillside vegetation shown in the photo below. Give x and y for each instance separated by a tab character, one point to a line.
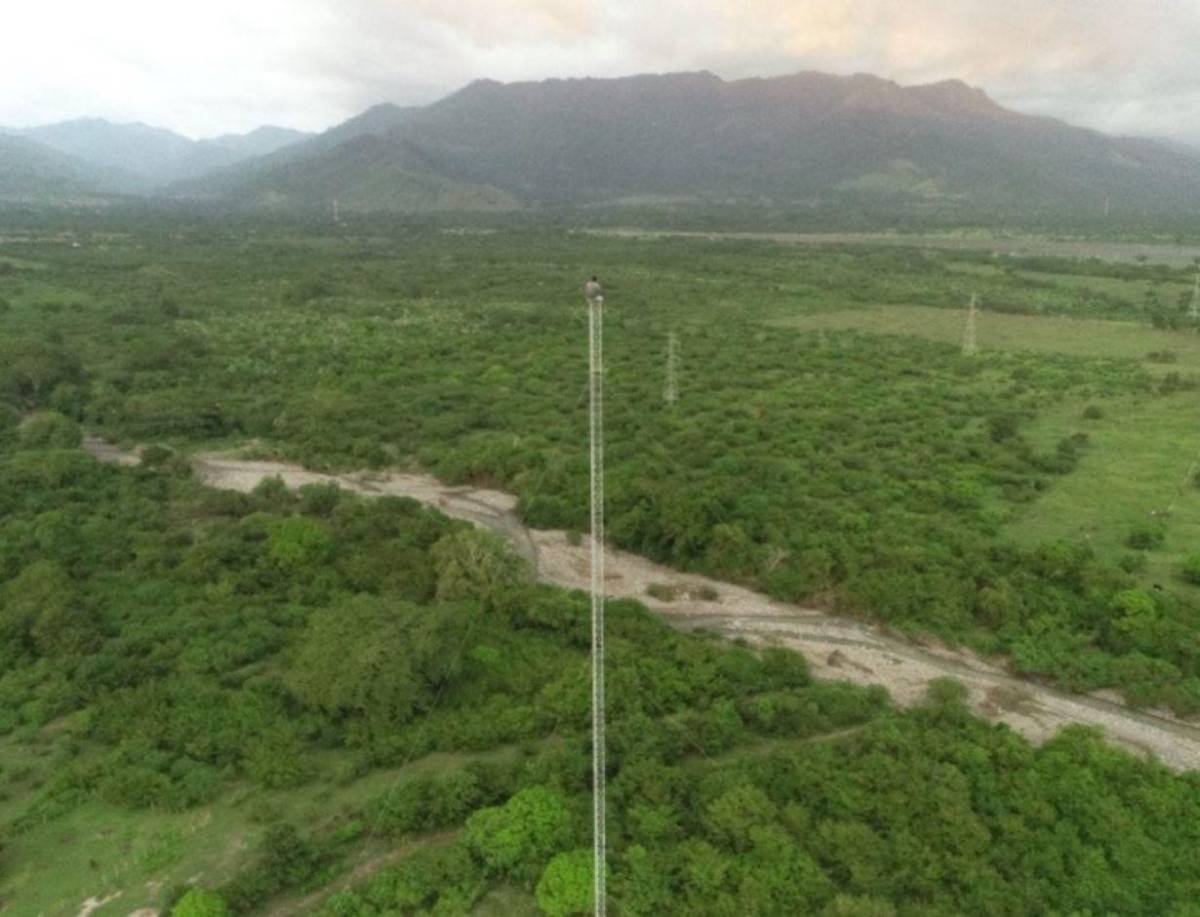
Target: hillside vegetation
31	173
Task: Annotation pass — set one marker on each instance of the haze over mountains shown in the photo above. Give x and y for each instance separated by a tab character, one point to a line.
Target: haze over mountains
800	140
94	155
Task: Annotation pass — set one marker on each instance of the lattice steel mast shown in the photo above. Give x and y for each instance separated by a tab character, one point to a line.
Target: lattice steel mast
596	389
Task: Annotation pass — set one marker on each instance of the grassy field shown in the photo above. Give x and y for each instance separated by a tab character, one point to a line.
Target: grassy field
1078	337
96	849
1137	471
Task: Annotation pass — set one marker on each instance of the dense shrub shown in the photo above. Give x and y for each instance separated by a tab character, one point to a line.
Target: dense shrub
1191	569
49	430
1146	537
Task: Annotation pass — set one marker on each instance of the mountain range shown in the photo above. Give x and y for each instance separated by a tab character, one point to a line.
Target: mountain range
802	140
101	157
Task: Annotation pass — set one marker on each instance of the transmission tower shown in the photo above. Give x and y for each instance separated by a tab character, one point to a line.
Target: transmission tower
336	215
1194	309
671	389
596	422
969	348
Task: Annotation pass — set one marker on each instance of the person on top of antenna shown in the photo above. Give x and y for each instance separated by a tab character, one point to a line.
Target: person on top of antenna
592	291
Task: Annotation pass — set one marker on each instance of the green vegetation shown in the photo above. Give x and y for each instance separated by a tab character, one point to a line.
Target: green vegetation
202	676
319	702
881	471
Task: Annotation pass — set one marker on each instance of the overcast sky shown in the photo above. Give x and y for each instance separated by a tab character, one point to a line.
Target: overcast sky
205	67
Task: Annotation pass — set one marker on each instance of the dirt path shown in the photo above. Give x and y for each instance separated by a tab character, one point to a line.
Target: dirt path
836	648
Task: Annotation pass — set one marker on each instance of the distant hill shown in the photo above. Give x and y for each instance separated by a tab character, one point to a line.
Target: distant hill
137	158
32	173
311	173
368	172
1187	149
379	120
693	137
261	141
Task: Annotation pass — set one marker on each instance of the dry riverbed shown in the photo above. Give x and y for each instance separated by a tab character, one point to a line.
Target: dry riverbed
837	648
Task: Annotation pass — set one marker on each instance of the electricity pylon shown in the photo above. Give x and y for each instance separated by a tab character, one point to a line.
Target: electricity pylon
336	214
969	348
1194	309
596	435
671	389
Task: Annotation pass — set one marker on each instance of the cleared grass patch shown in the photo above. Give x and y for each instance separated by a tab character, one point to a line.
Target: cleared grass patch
1136	471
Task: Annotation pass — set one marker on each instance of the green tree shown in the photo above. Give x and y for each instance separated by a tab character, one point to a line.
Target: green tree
643	882
277	759
63	628
42	593
49	430
517	838
855	906
297	542
1135	618
473	564
777	877
567	886
201	903
29	370
732	816
287	857
1191	569
376	658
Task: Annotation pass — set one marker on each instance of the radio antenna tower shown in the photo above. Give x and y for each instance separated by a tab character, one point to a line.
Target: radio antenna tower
671	390
1194	309
969	348
596	433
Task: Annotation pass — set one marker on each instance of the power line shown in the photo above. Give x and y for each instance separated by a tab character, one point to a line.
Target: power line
596	431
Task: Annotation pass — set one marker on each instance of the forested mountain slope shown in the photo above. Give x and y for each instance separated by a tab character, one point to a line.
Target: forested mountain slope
797	140
30	172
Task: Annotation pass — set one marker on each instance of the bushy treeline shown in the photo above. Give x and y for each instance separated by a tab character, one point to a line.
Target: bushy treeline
168	642
929	812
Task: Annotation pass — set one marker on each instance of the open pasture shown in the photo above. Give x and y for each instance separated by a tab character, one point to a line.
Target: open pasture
1138	473
1158	350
